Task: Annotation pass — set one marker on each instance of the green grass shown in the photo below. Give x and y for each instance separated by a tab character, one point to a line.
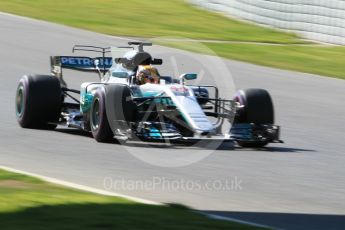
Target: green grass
149	18
327	61
176	18
322	60
31	204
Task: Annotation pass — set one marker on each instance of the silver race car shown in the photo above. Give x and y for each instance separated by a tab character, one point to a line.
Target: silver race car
131	101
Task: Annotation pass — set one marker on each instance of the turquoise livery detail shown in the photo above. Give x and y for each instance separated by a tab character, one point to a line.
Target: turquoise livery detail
85	102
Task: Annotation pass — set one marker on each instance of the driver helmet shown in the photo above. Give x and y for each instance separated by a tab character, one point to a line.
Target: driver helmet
147	74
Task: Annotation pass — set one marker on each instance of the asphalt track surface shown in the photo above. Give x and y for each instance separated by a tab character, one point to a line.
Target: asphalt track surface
296	185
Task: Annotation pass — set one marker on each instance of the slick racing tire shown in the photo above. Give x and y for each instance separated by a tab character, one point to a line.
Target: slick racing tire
257	108
121	109
38	101
99	124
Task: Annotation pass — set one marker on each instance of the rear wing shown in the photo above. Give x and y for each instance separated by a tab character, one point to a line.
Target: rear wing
81	63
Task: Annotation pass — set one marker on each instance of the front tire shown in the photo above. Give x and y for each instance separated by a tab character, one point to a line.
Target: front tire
120	106
257	108
99	124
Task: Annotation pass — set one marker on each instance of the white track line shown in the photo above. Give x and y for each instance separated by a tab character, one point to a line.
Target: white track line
218	217
81	187
131	198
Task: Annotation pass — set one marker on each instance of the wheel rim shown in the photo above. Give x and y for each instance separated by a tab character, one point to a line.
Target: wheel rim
95	118
20	105
238	99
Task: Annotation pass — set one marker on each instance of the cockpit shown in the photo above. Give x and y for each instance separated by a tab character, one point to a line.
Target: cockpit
135	65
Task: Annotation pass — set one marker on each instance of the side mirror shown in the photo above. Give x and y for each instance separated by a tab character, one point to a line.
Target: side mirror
120	74
188	77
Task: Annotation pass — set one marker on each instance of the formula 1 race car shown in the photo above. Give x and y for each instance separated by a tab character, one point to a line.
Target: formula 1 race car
119	106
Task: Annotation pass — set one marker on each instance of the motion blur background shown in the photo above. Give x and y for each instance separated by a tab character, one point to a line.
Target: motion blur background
320	20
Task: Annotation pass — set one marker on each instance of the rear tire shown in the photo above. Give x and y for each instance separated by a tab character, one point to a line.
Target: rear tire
99	124
38	102
257	108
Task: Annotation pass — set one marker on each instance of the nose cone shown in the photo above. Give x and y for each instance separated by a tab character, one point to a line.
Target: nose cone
194	115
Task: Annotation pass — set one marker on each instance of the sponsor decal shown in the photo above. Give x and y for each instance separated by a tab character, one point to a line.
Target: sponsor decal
180	90
85	62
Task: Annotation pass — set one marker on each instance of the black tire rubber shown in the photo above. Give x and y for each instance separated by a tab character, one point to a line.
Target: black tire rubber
38	101
258	109
99	125
120	106
258	106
